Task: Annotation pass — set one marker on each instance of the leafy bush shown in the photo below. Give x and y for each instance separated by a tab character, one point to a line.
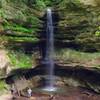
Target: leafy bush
3	87
16	27
20	59
97	33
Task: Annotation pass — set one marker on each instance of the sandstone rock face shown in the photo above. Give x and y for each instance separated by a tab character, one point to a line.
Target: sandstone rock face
89	2
4	62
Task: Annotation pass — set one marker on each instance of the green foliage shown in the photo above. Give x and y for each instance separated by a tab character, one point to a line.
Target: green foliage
97	33
2	14
21	27
19	39
40	4
15	27
25	21
72	56
3	86
19	33
20	59
78	24
79	18
33	20
69	4
2	3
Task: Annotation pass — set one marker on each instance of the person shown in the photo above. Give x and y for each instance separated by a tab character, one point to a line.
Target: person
13	90
29	91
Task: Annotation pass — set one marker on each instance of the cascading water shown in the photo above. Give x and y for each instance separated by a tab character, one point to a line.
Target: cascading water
50	52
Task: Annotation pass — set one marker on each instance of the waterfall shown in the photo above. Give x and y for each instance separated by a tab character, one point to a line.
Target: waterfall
50	51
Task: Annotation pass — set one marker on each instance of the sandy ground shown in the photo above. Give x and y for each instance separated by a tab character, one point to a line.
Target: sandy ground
6	97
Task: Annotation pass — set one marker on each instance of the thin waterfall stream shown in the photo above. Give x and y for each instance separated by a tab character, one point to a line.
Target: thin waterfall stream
49	58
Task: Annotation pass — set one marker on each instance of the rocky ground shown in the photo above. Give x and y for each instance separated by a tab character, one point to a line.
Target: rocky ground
6	97
76	94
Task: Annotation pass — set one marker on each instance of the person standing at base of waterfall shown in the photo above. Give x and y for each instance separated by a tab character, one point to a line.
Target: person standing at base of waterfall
13	90
29	91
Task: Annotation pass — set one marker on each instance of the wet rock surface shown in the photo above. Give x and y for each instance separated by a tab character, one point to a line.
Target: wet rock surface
66	76
73	94
61	97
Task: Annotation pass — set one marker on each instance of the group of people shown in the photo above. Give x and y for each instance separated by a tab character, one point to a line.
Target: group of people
29	91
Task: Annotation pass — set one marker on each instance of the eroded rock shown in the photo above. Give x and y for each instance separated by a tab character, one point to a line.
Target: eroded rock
4	62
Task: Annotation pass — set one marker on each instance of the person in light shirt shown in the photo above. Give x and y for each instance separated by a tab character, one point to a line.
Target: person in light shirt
29	91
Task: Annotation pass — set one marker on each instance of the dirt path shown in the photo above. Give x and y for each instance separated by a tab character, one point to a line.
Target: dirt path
6	97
